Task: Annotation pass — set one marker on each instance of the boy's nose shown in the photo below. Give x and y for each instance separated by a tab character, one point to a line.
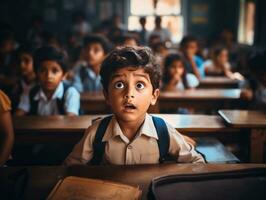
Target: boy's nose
129	93
49	75
129	96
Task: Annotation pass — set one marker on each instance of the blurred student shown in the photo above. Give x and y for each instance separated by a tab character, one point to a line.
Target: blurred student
163	33
7	73
219	65
257	64
129	40
175	76
51	96
6	128
143	33
193	63
26	75
87	71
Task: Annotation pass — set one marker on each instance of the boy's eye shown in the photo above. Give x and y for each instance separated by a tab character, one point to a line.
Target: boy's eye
119	85
55	70
140	86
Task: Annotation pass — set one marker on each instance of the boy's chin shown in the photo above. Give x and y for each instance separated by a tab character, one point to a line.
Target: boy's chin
128	117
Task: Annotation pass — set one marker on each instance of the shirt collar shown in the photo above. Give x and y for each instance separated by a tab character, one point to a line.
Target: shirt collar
91	73
147	129
58	94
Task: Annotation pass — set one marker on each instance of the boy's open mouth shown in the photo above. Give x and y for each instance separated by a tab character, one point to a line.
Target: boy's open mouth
130	106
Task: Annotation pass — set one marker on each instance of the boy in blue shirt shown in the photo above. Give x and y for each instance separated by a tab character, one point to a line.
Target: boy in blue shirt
193	63
87	77
130	79
51	96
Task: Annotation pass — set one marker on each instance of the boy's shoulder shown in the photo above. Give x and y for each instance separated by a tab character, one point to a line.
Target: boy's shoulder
95	123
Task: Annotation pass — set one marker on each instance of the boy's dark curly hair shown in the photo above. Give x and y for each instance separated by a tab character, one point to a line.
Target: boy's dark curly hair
49	53
95	38
137	57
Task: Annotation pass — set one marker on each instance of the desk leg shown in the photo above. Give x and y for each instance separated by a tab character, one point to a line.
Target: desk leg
258	139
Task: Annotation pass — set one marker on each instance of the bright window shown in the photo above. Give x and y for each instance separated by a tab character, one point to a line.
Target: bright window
246	22
169	10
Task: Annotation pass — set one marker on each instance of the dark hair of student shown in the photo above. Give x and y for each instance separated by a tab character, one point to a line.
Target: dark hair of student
126	36
94	38
23	49
6	35
167	64
186	40
50	53
137	57
216	52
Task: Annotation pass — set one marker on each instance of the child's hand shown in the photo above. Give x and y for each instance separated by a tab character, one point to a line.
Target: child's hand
238	76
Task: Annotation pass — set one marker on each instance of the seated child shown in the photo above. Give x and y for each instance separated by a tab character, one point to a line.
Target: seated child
50	96
130	79
193	63
175	76
6	133
219	65
257	66
87	77
26	75
129	39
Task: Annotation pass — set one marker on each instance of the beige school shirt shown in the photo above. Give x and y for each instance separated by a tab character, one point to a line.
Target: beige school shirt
143	149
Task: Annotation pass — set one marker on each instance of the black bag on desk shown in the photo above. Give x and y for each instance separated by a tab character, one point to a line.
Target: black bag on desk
241	184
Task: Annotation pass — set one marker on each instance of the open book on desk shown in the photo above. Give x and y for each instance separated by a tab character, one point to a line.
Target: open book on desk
84	188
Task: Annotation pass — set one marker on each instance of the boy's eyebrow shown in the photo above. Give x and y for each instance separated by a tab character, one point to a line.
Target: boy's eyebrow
117	76
135	74
142	75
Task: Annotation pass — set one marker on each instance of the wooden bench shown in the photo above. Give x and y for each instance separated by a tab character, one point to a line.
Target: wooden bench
255	122
218	82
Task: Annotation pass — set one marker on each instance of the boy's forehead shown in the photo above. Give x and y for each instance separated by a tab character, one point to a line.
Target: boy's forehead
130	70
49	63
93	44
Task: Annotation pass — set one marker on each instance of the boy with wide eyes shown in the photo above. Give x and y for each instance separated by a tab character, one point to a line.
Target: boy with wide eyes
130	80
50	96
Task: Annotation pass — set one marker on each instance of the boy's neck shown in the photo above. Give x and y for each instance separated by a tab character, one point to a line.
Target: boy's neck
48	94
130	129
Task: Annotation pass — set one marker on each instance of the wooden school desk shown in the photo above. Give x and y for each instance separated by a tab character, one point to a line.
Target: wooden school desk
218	82
43	179
204	99
255	121
66	129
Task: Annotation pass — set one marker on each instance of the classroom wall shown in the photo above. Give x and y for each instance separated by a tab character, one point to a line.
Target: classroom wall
57	13
203	18
207	18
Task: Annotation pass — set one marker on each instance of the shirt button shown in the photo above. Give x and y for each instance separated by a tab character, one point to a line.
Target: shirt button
129	147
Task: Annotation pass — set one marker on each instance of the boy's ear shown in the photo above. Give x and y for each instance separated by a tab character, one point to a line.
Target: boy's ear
106	96
155	96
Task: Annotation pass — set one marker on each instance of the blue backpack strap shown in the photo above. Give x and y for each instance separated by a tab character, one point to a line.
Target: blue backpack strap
163	137
61	102
98	145
33	103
